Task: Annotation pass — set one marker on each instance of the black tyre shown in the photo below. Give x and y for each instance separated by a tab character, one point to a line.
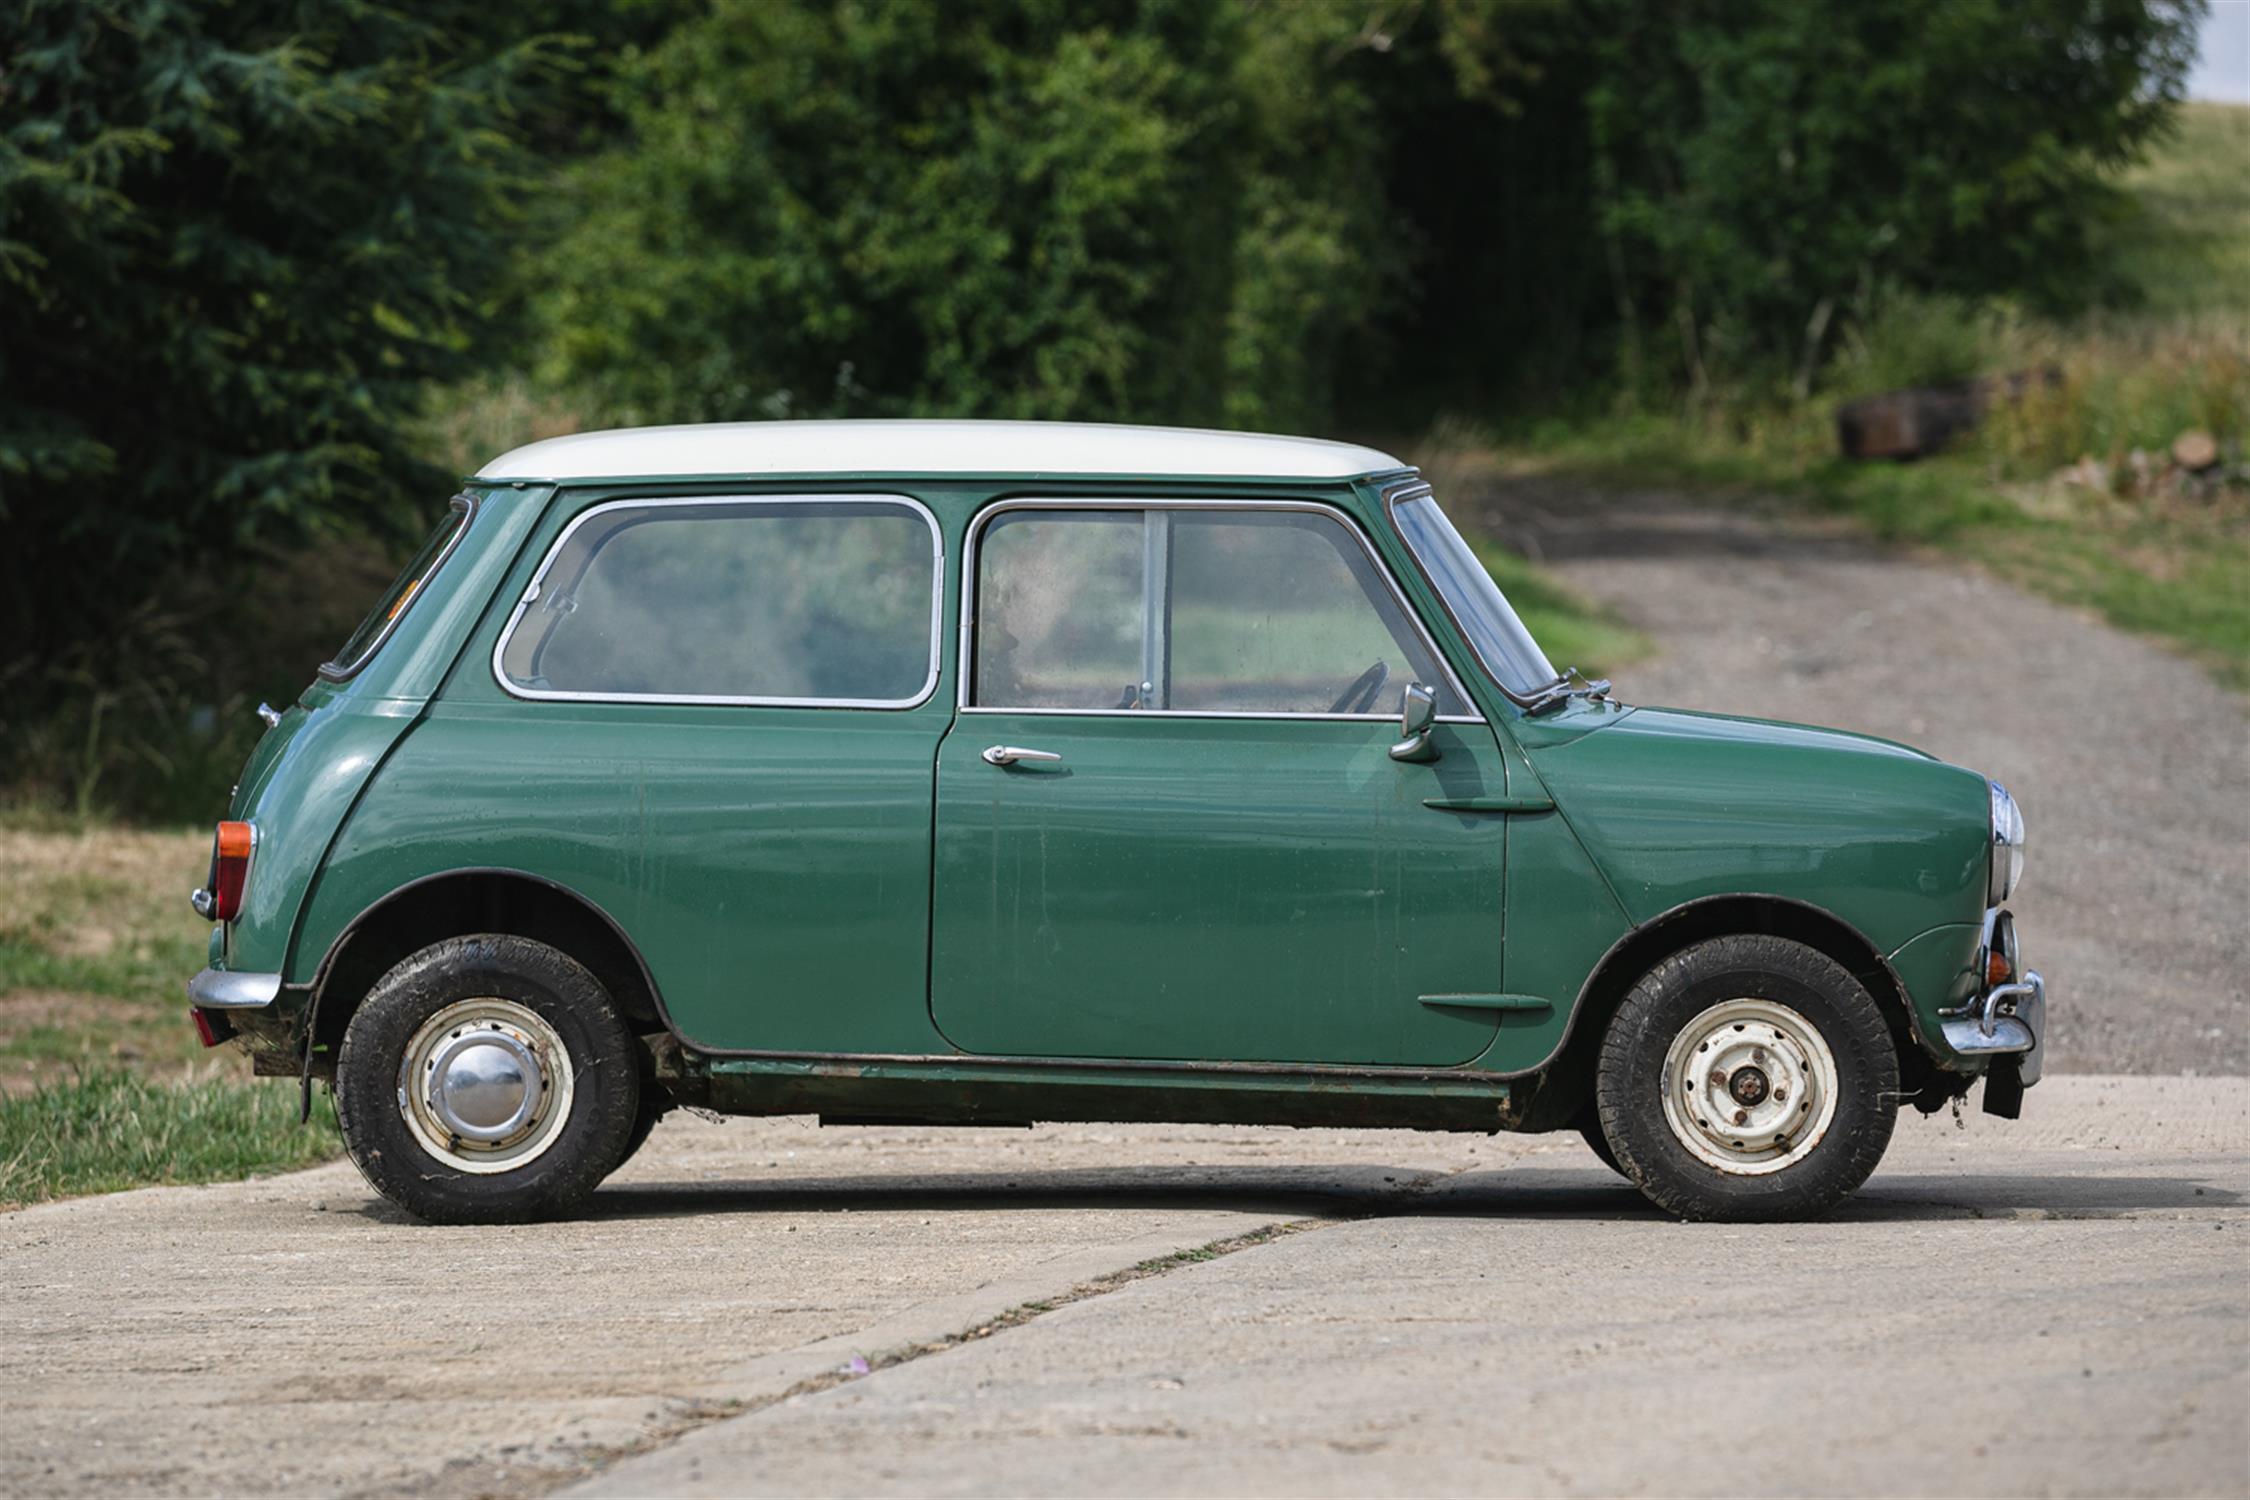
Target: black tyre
655	1105
487	1080
1747	1078
1590	1126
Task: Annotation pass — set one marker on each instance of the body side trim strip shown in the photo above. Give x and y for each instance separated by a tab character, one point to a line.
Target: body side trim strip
1487	1002
1532	803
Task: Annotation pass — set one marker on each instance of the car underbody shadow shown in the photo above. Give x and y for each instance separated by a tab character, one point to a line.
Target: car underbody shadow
1575	1192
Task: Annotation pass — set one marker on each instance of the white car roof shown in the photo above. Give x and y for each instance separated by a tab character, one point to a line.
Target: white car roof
915	447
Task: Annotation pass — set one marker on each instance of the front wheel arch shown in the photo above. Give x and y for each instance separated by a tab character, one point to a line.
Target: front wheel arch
1565	1085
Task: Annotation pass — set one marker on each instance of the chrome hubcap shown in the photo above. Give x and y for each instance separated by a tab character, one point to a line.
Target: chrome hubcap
1749	1086
485	1085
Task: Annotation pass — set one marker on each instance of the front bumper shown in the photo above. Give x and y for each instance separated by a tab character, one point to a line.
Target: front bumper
2004	1024
224	989
2008	1020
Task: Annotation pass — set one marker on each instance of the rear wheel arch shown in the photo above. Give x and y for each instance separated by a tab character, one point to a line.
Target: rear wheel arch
1566	1082
458	903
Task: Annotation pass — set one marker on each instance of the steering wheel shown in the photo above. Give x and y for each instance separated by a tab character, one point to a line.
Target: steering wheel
1360	696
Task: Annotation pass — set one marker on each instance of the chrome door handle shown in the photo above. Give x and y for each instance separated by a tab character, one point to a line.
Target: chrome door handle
1008	755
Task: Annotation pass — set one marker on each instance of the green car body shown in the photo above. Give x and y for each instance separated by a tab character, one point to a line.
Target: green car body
854	911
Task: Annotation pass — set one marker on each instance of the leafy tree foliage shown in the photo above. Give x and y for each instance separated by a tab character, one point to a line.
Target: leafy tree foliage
244	242
237	241
1230	210
1155	209
1766	165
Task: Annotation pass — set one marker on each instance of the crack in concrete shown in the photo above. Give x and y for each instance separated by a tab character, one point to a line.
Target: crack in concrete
698	1415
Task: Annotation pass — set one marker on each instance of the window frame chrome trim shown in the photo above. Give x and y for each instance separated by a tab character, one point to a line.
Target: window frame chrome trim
715	700
467	502
965	644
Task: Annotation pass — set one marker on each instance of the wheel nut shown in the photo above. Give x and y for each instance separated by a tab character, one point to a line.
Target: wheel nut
1742	1117
1757	1054
1718	1079
1781	1096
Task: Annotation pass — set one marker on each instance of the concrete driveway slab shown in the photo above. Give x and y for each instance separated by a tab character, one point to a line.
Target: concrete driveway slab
1534	1329
297	1334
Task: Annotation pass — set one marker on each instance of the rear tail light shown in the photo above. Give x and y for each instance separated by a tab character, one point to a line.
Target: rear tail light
230	870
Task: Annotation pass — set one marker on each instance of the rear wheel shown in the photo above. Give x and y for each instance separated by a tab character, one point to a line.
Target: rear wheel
487	1080
656	1103
1747	1078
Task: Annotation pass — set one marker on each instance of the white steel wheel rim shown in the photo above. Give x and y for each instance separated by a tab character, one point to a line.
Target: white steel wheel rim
1749	1087
485	1085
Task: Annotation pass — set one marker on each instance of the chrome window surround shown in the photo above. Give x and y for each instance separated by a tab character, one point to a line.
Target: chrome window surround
1416	489
686	502
466	503
966	644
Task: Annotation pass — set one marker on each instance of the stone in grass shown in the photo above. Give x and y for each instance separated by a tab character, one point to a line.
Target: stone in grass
2195	449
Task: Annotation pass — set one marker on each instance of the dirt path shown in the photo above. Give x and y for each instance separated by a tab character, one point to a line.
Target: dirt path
2133	770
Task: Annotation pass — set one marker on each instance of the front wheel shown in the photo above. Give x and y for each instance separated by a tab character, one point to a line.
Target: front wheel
1747	1078
487	1080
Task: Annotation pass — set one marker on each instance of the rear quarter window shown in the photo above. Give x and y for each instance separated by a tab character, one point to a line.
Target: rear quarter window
404	590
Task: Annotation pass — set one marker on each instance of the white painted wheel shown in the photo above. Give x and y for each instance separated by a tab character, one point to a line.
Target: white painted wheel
1750	1087
485	1085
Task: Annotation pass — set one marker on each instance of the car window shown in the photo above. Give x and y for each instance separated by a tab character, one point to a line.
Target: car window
803	601
1191	611
404	589
1495	632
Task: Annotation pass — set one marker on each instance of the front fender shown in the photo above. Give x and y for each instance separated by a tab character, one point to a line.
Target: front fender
1676	807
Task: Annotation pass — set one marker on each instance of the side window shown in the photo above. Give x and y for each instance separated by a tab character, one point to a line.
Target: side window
1191	611
1061	612
805	601
376	628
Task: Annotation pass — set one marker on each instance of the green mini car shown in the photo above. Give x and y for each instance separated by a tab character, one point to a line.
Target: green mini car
969	773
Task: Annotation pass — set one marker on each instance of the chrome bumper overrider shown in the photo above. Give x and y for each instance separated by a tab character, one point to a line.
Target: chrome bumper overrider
2009	1019
223	989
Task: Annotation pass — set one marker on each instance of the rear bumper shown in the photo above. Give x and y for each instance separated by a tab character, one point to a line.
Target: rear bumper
224	989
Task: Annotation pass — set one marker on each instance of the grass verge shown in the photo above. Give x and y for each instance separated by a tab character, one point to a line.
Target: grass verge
95	942
109	1128
103	1085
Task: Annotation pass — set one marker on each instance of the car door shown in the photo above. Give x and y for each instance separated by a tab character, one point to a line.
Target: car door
718	726
1168	822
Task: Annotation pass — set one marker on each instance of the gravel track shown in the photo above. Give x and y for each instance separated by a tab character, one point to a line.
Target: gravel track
2132	767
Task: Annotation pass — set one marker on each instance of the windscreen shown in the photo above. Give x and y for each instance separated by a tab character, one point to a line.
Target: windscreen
1486	617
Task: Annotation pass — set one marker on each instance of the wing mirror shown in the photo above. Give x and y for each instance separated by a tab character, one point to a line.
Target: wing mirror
1417	719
